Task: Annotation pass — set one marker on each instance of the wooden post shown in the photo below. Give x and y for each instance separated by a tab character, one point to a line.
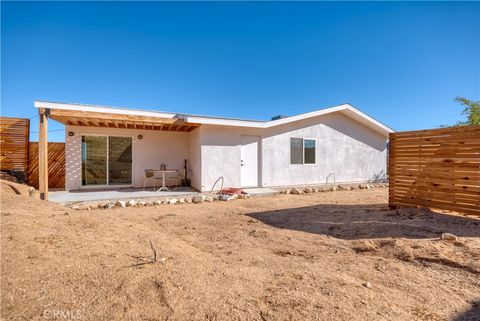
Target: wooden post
43	153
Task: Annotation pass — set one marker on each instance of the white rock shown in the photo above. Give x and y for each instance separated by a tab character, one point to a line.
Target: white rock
172	201
158	202
181	201
32	192
131	203
367	285
198	199
121	204
208	199
448	237
108	206
141	203
297	191
227	198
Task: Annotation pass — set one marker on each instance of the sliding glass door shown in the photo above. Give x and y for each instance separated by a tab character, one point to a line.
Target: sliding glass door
106	160
94	160
119	160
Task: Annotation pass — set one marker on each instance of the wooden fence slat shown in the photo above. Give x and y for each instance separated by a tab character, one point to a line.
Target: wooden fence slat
14	138
435	131
56	165
20	155
436	168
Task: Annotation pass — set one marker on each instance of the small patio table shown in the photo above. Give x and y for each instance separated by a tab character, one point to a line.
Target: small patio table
163	172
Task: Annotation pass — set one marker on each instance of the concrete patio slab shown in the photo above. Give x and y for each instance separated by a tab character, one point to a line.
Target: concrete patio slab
260	191
124	193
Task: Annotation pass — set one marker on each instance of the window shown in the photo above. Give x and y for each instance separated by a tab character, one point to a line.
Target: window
296	151
302	151
309	151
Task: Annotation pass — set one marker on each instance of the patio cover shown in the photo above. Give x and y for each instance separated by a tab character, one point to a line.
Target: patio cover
99	116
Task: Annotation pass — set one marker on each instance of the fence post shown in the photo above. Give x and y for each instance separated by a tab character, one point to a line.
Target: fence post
391	173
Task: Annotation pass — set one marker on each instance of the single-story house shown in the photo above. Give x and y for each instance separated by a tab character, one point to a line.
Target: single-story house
112	147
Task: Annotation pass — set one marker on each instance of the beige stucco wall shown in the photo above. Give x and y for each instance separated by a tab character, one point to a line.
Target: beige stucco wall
155	147
221	154
353	152
195	158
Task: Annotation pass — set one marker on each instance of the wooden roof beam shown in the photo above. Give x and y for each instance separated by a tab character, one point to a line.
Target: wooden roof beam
107	116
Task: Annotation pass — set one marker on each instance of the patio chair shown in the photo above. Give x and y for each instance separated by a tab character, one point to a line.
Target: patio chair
150	176
179	178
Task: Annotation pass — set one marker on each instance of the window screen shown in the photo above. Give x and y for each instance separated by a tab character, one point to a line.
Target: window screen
309	151
296	151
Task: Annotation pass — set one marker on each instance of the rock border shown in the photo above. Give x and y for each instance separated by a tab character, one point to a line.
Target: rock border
141	202
202	198
330	188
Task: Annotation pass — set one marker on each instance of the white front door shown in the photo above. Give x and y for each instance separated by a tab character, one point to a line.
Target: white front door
249	161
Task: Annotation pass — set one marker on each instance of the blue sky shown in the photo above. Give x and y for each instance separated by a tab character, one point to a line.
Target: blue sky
401	62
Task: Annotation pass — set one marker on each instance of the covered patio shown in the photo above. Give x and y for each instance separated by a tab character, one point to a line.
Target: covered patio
109	152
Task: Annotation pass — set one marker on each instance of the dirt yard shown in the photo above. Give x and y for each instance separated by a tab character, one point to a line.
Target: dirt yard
326	256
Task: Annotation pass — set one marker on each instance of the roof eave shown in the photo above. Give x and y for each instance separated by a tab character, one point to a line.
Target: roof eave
108	110
347	109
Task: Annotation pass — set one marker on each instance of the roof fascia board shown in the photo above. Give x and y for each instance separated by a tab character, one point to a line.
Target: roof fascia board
224	122
368	120
107	110
304	116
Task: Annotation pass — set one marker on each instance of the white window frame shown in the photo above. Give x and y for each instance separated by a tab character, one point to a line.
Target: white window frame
303	151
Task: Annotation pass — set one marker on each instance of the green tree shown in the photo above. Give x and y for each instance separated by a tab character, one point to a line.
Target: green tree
471	110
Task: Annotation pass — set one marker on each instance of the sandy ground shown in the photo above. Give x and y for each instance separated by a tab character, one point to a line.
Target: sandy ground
284	257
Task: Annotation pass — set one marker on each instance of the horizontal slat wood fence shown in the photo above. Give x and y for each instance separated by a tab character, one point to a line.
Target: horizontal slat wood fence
438	168
56	165
14	137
